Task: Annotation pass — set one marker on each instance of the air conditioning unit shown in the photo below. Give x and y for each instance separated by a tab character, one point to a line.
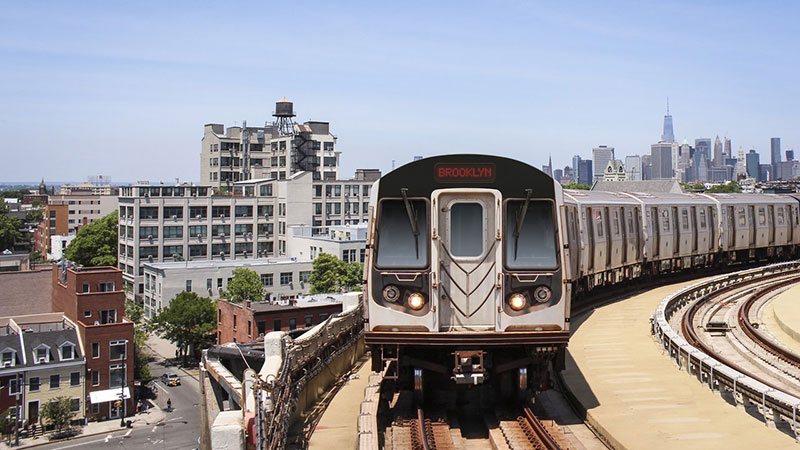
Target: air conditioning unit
150	258
150	236
174	216
7	364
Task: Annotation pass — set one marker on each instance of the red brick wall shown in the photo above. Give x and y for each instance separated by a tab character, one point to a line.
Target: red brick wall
73	303
103	334
226	311
26	292
6	400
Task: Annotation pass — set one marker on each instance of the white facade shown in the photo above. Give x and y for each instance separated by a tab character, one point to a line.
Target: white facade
84	209
600	157
283	278
346	242
615	171
633	167
168	223
57	245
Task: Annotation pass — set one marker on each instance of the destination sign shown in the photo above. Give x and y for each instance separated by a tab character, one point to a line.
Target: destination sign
465	172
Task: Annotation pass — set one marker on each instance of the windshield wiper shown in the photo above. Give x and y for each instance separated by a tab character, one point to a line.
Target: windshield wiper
521	218
412	218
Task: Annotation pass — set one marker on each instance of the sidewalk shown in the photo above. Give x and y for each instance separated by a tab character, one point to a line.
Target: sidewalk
166	350
143	419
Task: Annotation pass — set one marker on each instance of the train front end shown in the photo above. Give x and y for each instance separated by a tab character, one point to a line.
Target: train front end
464	274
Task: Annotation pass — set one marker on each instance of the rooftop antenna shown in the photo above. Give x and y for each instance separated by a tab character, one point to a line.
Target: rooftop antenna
667	105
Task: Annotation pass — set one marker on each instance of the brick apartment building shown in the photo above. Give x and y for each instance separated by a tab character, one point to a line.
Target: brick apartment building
93	298
247	321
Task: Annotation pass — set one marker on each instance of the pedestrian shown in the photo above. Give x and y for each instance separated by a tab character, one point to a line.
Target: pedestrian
33	430
169	405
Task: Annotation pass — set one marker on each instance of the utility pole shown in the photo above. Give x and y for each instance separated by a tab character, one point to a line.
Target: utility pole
16	418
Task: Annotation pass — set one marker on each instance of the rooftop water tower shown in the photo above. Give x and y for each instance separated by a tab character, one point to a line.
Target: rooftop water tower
284	113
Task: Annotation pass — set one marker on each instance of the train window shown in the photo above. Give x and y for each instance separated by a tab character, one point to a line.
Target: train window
535	248
397	245
466	229
762	216
702	219
616	223
598	223
665	219
630	221
781	218
742	217
685	219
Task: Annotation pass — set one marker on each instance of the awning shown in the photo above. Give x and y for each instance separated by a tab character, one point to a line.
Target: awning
108	395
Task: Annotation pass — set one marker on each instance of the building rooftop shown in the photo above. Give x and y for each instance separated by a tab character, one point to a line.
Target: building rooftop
672	186
219	264
305	301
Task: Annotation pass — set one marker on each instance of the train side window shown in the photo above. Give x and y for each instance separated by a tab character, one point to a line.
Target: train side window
466	229
616	223
598	221
742	217
762	216
665	219
630	221
685	219
781	218
702	219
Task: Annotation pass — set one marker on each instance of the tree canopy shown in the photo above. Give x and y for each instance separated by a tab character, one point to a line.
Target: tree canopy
245	285
96	243
730	187
9	231
188	321
331	274
58	412
582	187
135	313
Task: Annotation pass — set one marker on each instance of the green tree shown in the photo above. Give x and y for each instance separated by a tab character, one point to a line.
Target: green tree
7	420
9	231
34	216
331	274
57	412
582	187
135	313
326	275
96	243
730	187
188	322
245	285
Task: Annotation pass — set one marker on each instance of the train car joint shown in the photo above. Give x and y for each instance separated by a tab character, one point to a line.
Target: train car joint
469	367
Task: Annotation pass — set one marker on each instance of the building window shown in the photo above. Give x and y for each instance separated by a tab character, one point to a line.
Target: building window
41	354
304	276
234	322
173	212
286	278
265	190
13	387
108	286
244	211
175	251
323	317
173	232
117	350
308	320
95	378
148	213
55	381
266	279
67	351
243	229
276	325
75	405
198	250
292	323
188	285
220	211
95	349
75	379
85	287
198	212
116	375
220	230
266	211
108	316
33	384
8	358
148	252
249	328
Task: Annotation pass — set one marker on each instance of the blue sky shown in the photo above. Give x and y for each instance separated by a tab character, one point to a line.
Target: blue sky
123	89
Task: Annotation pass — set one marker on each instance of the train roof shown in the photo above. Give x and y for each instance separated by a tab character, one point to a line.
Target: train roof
663	198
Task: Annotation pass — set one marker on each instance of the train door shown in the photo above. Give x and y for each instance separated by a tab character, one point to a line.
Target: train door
625	235
751	221
469	257
732	231
609	237
695	231
574	245
589	221
636	231
656	245
677	232
771	224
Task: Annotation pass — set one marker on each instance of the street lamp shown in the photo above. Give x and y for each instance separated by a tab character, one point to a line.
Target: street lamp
122	395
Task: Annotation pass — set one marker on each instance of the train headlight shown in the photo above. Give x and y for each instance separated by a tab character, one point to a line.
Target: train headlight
517	301
542	294
416	301
391	293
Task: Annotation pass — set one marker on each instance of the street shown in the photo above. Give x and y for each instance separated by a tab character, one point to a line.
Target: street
181	429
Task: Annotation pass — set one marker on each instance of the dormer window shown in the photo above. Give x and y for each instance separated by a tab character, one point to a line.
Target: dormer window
8	358
67	351
41	354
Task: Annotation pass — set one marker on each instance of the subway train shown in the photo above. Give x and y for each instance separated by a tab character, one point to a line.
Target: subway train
473	263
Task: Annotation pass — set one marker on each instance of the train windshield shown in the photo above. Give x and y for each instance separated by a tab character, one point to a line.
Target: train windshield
535	245
398	246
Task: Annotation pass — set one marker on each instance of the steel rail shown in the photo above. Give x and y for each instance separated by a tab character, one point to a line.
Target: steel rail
540	434
758	337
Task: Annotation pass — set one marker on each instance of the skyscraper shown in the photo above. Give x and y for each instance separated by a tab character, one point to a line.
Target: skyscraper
576	160
633	165
719	159
585	173
726	150
668	135
753	164
661	159
600	157
775	147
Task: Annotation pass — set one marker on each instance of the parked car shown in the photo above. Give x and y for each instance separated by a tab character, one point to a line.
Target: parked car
171	379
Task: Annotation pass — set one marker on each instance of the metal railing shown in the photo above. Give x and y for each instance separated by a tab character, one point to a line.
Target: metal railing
773	404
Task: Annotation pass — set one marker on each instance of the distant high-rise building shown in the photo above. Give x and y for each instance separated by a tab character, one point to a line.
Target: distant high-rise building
575	162
548	169
661	158
668	135
719	159
585	173
775	147
789	155
753	164
702	152
633	166
765	172
568	175
558	174
417	158
647	167
726	149
600	157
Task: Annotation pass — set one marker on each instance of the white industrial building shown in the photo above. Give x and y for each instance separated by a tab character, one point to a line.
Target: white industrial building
347	242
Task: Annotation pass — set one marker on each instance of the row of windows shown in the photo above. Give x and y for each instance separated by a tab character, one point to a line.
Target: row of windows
335	190
35	383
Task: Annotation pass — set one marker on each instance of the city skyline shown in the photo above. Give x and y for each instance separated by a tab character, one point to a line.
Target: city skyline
125	90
